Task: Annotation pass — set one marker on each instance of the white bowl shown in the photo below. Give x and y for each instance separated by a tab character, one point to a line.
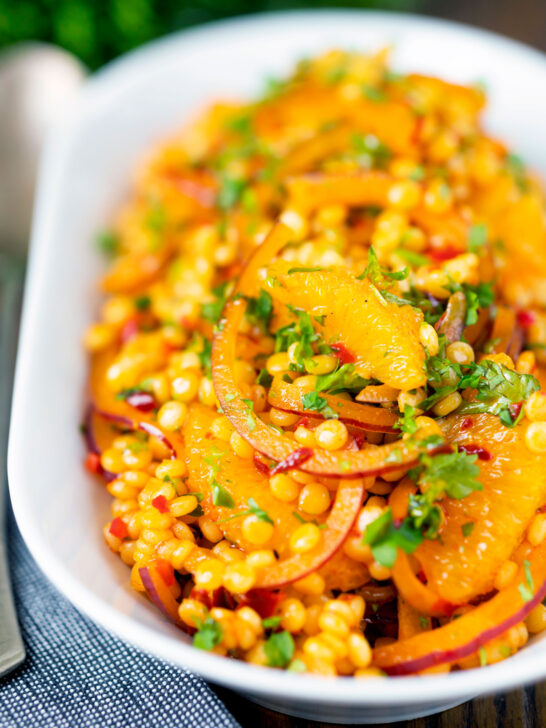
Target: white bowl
85	174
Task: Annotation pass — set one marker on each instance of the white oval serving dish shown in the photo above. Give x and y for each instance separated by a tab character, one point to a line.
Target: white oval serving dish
85	174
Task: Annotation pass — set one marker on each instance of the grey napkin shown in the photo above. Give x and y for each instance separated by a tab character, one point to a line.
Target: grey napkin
78	676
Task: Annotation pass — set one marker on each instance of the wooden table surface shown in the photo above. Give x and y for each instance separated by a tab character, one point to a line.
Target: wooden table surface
524	20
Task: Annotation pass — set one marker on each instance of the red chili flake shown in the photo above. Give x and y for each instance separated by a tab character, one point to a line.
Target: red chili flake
129	330
473	449
439	255
165	571
296	458
263	601
92	463
515	409
259	464
342	353
142	401
467	423
160	502
304	421
525	318
118	528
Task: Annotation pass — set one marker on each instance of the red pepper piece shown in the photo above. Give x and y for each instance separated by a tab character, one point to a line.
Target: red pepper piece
160	502
342	353
118	528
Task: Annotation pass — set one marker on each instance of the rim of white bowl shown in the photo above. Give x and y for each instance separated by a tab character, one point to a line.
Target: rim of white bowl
236	674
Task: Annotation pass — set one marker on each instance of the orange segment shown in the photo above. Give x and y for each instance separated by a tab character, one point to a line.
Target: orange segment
383	337
242	480
460	568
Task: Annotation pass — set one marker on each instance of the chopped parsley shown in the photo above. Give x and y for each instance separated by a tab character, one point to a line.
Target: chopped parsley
527	590
271	622
230	192
220	496
498	388
374	94
279	649
303	270
250	421
370	152
252	510
467	528
302	333
377	274
108	242
212	311
385	538
453	475
259	310
313	402
406	423
477	237
142	303
342	379
297	666
209	634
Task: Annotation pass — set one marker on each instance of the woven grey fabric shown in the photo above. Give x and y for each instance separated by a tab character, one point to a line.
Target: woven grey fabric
78	676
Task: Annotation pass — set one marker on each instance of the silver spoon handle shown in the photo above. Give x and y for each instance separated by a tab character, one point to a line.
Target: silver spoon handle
12	651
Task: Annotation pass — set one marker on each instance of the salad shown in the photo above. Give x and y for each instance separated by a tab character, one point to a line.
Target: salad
315	382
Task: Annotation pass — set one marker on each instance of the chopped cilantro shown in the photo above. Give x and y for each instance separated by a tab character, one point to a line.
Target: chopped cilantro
302	333
297	666
142	303
279	649
498	388
418	173
209	634
303	270
313	402
212	311
156	218
374	94
220	496
411	257
107	242
452	475
271	622
254	510
467	528
370	151
377	274
480	296
264	378
260	309
385	538
342	379
527	589
477	237
407	423
250	421
229	194
424	622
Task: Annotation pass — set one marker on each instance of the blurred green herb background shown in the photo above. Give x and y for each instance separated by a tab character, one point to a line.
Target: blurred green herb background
98	30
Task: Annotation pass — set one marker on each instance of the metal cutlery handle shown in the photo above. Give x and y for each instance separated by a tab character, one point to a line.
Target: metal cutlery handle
12	651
